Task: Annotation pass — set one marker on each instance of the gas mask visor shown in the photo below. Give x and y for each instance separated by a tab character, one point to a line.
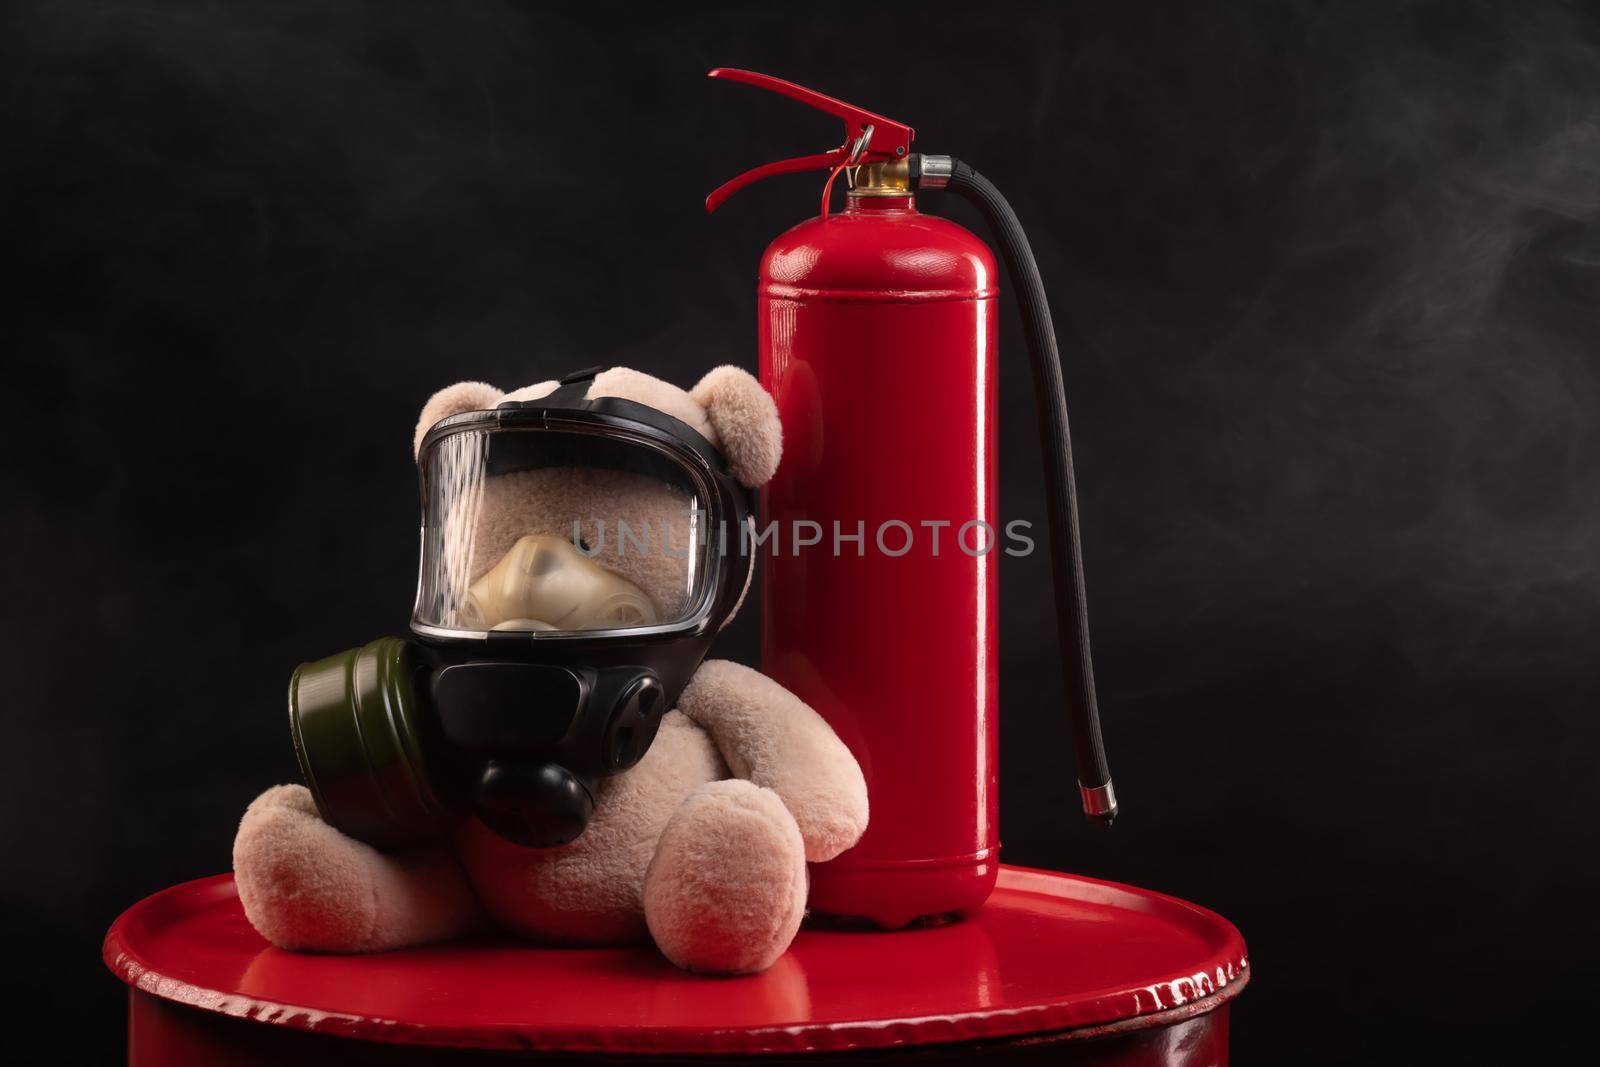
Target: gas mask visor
578	558
541	530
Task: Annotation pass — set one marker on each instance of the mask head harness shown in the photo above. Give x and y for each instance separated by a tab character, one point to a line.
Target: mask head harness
539	660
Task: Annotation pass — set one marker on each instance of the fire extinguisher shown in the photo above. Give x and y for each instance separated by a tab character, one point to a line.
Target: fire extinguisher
878	343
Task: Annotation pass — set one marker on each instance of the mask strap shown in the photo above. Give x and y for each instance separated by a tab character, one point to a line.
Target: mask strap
570	391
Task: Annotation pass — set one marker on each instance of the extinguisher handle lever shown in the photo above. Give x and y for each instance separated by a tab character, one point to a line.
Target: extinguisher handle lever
868	137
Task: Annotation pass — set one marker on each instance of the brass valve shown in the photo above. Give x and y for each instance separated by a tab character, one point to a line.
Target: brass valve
890	178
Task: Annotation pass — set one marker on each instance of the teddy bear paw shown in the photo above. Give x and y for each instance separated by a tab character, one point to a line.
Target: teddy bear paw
303	884
726	889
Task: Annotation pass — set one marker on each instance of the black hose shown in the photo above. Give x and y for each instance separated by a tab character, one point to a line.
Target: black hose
1061	493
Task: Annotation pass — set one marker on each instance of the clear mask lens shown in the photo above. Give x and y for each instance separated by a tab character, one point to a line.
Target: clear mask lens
556	531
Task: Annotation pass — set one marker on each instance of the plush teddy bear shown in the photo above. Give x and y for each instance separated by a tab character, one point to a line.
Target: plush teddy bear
702	845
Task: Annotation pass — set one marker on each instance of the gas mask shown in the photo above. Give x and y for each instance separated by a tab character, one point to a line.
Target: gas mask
578	558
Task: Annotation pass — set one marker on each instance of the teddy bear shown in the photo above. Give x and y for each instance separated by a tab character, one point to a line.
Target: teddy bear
702	846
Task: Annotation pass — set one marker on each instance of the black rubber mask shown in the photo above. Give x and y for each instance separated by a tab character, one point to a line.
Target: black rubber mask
578	558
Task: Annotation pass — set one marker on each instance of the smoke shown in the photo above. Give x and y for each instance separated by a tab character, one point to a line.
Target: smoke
1483	136
1377	393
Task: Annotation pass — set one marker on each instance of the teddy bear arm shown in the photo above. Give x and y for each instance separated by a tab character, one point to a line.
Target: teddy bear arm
768	736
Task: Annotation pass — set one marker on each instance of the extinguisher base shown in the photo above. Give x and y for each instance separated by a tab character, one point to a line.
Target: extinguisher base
895	894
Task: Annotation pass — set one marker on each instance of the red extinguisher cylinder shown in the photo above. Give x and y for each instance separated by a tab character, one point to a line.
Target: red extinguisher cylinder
877	337
878	343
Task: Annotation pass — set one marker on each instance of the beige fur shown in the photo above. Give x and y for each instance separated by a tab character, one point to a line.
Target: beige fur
768	736
726	890
304	885
711	867
453	400
654	393
746	423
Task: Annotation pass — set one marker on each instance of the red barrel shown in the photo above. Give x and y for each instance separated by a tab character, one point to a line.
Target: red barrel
878	342
1056	969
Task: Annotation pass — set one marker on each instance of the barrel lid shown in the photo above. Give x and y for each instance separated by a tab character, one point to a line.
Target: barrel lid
1048	953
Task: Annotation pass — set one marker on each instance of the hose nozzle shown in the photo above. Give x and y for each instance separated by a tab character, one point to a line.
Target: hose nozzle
1099	803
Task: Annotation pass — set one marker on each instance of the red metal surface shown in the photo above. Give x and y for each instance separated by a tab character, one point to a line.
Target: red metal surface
881	138
877	340
1050	953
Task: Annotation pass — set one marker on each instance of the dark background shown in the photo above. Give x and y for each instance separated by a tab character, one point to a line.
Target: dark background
1329	275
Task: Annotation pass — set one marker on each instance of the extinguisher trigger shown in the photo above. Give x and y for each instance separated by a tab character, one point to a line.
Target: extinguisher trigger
868	137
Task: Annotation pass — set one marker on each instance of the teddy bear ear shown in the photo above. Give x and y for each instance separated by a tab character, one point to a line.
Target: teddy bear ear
453	400
746	421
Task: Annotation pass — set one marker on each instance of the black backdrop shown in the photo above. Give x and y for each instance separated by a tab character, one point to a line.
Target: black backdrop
1334	356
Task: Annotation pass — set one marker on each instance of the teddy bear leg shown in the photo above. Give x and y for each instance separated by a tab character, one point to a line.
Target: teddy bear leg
726	889
306	886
